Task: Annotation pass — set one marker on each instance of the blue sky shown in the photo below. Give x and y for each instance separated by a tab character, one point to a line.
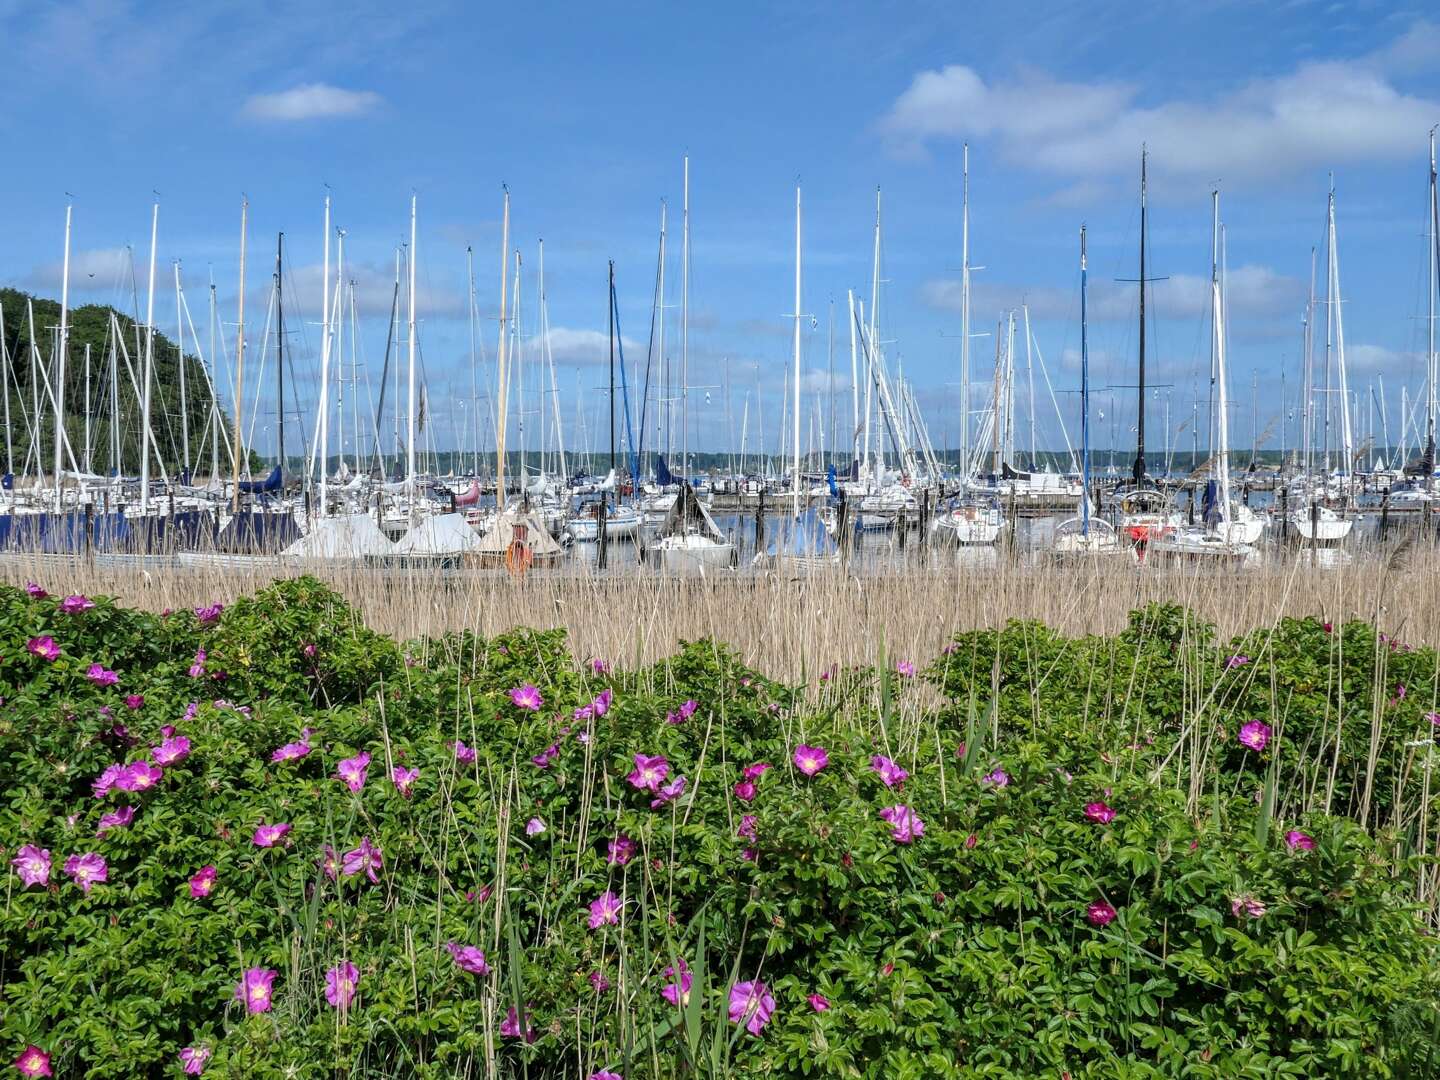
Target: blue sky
586	112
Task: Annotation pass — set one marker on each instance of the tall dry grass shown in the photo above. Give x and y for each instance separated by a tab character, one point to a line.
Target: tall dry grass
793	626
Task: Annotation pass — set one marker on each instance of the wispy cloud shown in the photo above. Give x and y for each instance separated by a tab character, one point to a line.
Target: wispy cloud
311	101
1320	114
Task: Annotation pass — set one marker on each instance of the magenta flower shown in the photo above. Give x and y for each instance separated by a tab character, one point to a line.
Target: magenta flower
602	701
330	863
650	772
403	779
202	883
1298	840
604	910
746	829
468	958
1255	735
98	675
534	827
510	1026
1247	905
819	1002
678	992
905	824
599	981
543	759
116	819
209	614
905	668
1100	913
751	1004
367	857
194	1058
811	759
755	771
270	835
33	1062
605	1074
256	989
309	650
134	701
35	590
197	669
107	780
1433	717
290	751
527	697
998	778
600	667
139	776
464	754
87	870
745	790
620	850
890	773
1099	811
669	793
971	841
73	605
171	751
341	982
352	770
33	865
1236	661
44	647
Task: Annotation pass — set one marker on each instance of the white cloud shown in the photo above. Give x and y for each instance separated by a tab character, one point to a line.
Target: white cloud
1321	114
93	269
311	101
570	347
1253	292
374	291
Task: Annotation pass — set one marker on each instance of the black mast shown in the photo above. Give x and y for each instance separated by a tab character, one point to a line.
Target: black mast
1138	471
280	352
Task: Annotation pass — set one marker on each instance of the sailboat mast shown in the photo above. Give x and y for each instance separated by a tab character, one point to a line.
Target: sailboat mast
500	395
239	450
279	356
965	314
1084	396
410	406
1217	348
685	323
184	400
795	447
1432	258
1138	470
147	371
60	351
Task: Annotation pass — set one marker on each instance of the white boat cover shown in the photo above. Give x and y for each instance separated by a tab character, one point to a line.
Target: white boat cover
350	536
442	534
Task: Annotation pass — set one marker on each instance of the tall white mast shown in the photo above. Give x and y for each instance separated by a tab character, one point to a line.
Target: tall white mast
180	360
410	406
965	315
685	324
795	410
239	446
550	362
501	384
1217	347
322	444
5	396
854	383
872	354
663	416
148	368
60	356
1346	436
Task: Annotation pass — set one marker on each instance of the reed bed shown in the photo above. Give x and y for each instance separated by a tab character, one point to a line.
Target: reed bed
791	626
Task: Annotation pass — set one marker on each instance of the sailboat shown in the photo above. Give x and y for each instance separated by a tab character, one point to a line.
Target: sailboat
689	540
1086	535
1221	537
1146	512
972	519
1314	521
